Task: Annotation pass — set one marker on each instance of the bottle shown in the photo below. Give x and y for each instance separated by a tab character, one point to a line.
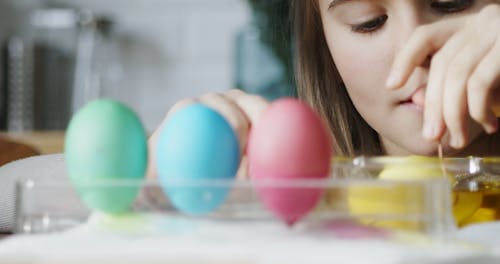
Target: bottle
55	64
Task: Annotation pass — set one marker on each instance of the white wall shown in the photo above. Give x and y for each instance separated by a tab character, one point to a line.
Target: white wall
169	49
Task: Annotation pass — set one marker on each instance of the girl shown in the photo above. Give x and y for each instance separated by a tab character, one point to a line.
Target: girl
390	77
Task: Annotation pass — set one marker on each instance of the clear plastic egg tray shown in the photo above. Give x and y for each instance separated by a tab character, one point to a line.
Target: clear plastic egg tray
352	193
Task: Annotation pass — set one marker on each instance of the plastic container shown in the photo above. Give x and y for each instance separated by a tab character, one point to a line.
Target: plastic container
421	206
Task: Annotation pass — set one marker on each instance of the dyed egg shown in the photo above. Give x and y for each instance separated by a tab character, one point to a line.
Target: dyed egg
289	143
197	147
401	199
106	143
414	168
480	215
465	208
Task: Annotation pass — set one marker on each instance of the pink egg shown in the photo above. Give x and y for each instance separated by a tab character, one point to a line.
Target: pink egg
289	143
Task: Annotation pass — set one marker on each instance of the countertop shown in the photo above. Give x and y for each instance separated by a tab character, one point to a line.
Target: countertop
46	142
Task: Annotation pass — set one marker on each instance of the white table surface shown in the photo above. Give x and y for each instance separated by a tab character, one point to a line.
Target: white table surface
184	241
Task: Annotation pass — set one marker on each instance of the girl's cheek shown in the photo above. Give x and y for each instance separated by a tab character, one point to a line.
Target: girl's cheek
363	65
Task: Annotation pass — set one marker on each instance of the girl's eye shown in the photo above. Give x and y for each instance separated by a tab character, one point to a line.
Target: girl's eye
370	26
451	6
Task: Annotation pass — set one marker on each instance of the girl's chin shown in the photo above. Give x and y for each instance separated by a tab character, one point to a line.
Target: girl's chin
429	148
420	147
425	148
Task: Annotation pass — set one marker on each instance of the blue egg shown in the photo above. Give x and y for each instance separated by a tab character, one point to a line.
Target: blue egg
196	145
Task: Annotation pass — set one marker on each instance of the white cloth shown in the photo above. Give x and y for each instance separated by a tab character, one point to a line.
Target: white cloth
483	233
174	240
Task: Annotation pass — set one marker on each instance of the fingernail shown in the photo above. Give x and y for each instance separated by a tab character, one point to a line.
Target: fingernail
456	142
429	131
491	127
392	80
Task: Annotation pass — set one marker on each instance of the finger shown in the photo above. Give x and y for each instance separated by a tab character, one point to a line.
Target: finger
180	104
484	85
151	171
434	125
424	42
235	93
252	105
456	107
243	169
231	112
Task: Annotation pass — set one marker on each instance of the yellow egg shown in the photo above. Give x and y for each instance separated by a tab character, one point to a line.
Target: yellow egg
414	168
465	205
397	200
481	215
371	204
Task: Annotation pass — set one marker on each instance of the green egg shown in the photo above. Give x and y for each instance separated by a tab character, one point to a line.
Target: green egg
105	152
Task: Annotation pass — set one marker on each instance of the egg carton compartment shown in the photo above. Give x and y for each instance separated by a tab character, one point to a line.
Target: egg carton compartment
417	206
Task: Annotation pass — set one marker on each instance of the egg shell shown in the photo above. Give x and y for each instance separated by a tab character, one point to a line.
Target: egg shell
196	145
289	142
401	199
105	143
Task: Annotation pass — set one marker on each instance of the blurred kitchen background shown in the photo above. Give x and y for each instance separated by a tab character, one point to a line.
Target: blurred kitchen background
58	55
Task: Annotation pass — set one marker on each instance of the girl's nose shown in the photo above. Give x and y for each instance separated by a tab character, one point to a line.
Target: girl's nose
411	17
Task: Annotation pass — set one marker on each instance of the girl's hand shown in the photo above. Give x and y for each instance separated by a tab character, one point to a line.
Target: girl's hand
464	75
239	109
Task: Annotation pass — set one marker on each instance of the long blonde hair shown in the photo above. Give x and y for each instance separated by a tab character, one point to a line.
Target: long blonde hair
320	84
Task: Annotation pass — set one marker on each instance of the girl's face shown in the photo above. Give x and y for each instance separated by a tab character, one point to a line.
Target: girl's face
364	37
